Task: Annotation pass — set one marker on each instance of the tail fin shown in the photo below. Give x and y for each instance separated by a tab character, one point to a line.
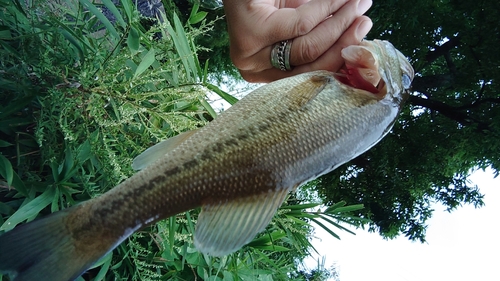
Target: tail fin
42	250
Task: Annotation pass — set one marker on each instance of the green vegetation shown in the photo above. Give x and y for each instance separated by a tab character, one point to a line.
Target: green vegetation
449	127
81	97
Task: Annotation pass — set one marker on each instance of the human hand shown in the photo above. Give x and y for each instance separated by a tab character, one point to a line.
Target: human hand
320	29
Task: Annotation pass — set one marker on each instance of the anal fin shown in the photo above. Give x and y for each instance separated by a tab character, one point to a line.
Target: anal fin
226	226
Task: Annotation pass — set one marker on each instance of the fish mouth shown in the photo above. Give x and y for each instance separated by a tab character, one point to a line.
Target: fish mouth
361	70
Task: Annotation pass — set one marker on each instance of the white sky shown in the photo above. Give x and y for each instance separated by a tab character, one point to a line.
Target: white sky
462	245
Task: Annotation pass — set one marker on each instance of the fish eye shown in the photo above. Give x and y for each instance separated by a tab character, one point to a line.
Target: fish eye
406	81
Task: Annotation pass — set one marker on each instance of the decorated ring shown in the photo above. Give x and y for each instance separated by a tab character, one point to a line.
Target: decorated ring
280	55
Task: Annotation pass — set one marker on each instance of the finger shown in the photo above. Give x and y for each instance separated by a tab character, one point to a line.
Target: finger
331	60
308	48
288	23
292	3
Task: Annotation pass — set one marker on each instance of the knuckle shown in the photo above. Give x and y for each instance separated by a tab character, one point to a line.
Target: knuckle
309	53
239	61
250	77
304	25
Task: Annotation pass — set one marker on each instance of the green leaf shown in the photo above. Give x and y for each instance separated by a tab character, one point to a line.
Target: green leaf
84	152
111	6
301	206
324	217
30	210
172	228
105	262
5	144
15	106
95	11
6	170
197	17
133	40
336	205
5	32
325	228
209	108
274	248
146	62
182	46
225	96
345	209
129	7
205	72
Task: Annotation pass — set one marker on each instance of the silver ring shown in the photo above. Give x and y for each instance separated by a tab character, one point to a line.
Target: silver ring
280	55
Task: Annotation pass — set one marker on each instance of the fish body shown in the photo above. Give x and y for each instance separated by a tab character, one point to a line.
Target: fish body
238	168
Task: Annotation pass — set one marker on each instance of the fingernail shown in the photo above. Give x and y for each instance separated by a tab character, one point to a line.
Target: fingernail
363	29
363	6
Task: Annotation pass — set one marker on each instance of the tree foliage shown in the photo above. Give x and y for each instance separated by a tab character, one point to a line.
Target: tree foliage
449	126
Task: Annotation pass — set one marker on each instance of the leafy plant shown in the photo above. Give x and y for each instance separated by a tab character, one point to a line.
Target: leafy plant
83	97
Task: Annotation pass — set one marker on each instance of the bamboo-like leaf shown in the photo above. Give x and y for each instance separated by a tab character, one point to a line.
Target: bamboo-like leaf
195	59
18	184
111	6
74	42
325	228
6	170
146	62
95	11
194	9
225	96
18	104
190	222
30	210
274	248
345	209
128	6
182	46
5	143
267	239
172	228
197	17
133	40
301	206
209	108
54	207
5	32
105	262
335	206
205	72
326	218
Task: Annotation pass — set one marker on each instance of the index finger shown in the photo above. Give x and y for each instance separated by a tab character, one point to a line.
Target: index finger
289	23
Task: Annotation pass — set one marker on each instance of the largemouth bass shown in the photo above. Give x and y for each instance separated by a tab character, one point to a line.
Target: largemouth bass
238	169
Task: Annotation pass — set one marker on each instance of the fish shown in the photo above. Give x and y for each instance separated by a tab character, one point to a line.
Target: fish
238	168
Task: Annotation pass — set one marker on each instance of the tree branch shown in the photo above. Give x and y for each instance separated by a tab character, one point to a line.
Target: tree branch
423	84
442	50
454	113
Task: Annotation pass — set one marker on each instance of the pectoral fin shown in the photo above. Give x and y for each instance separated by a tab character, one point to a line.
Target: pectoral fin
226	226
155	152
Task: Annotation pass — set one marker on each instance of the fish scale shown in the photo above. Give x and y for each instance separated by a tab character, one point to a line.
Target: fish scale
238	168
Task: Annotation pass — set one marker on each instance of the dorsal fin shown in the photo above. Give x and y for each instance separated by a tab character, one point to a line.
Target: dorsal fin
225	226
156	151
305	92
